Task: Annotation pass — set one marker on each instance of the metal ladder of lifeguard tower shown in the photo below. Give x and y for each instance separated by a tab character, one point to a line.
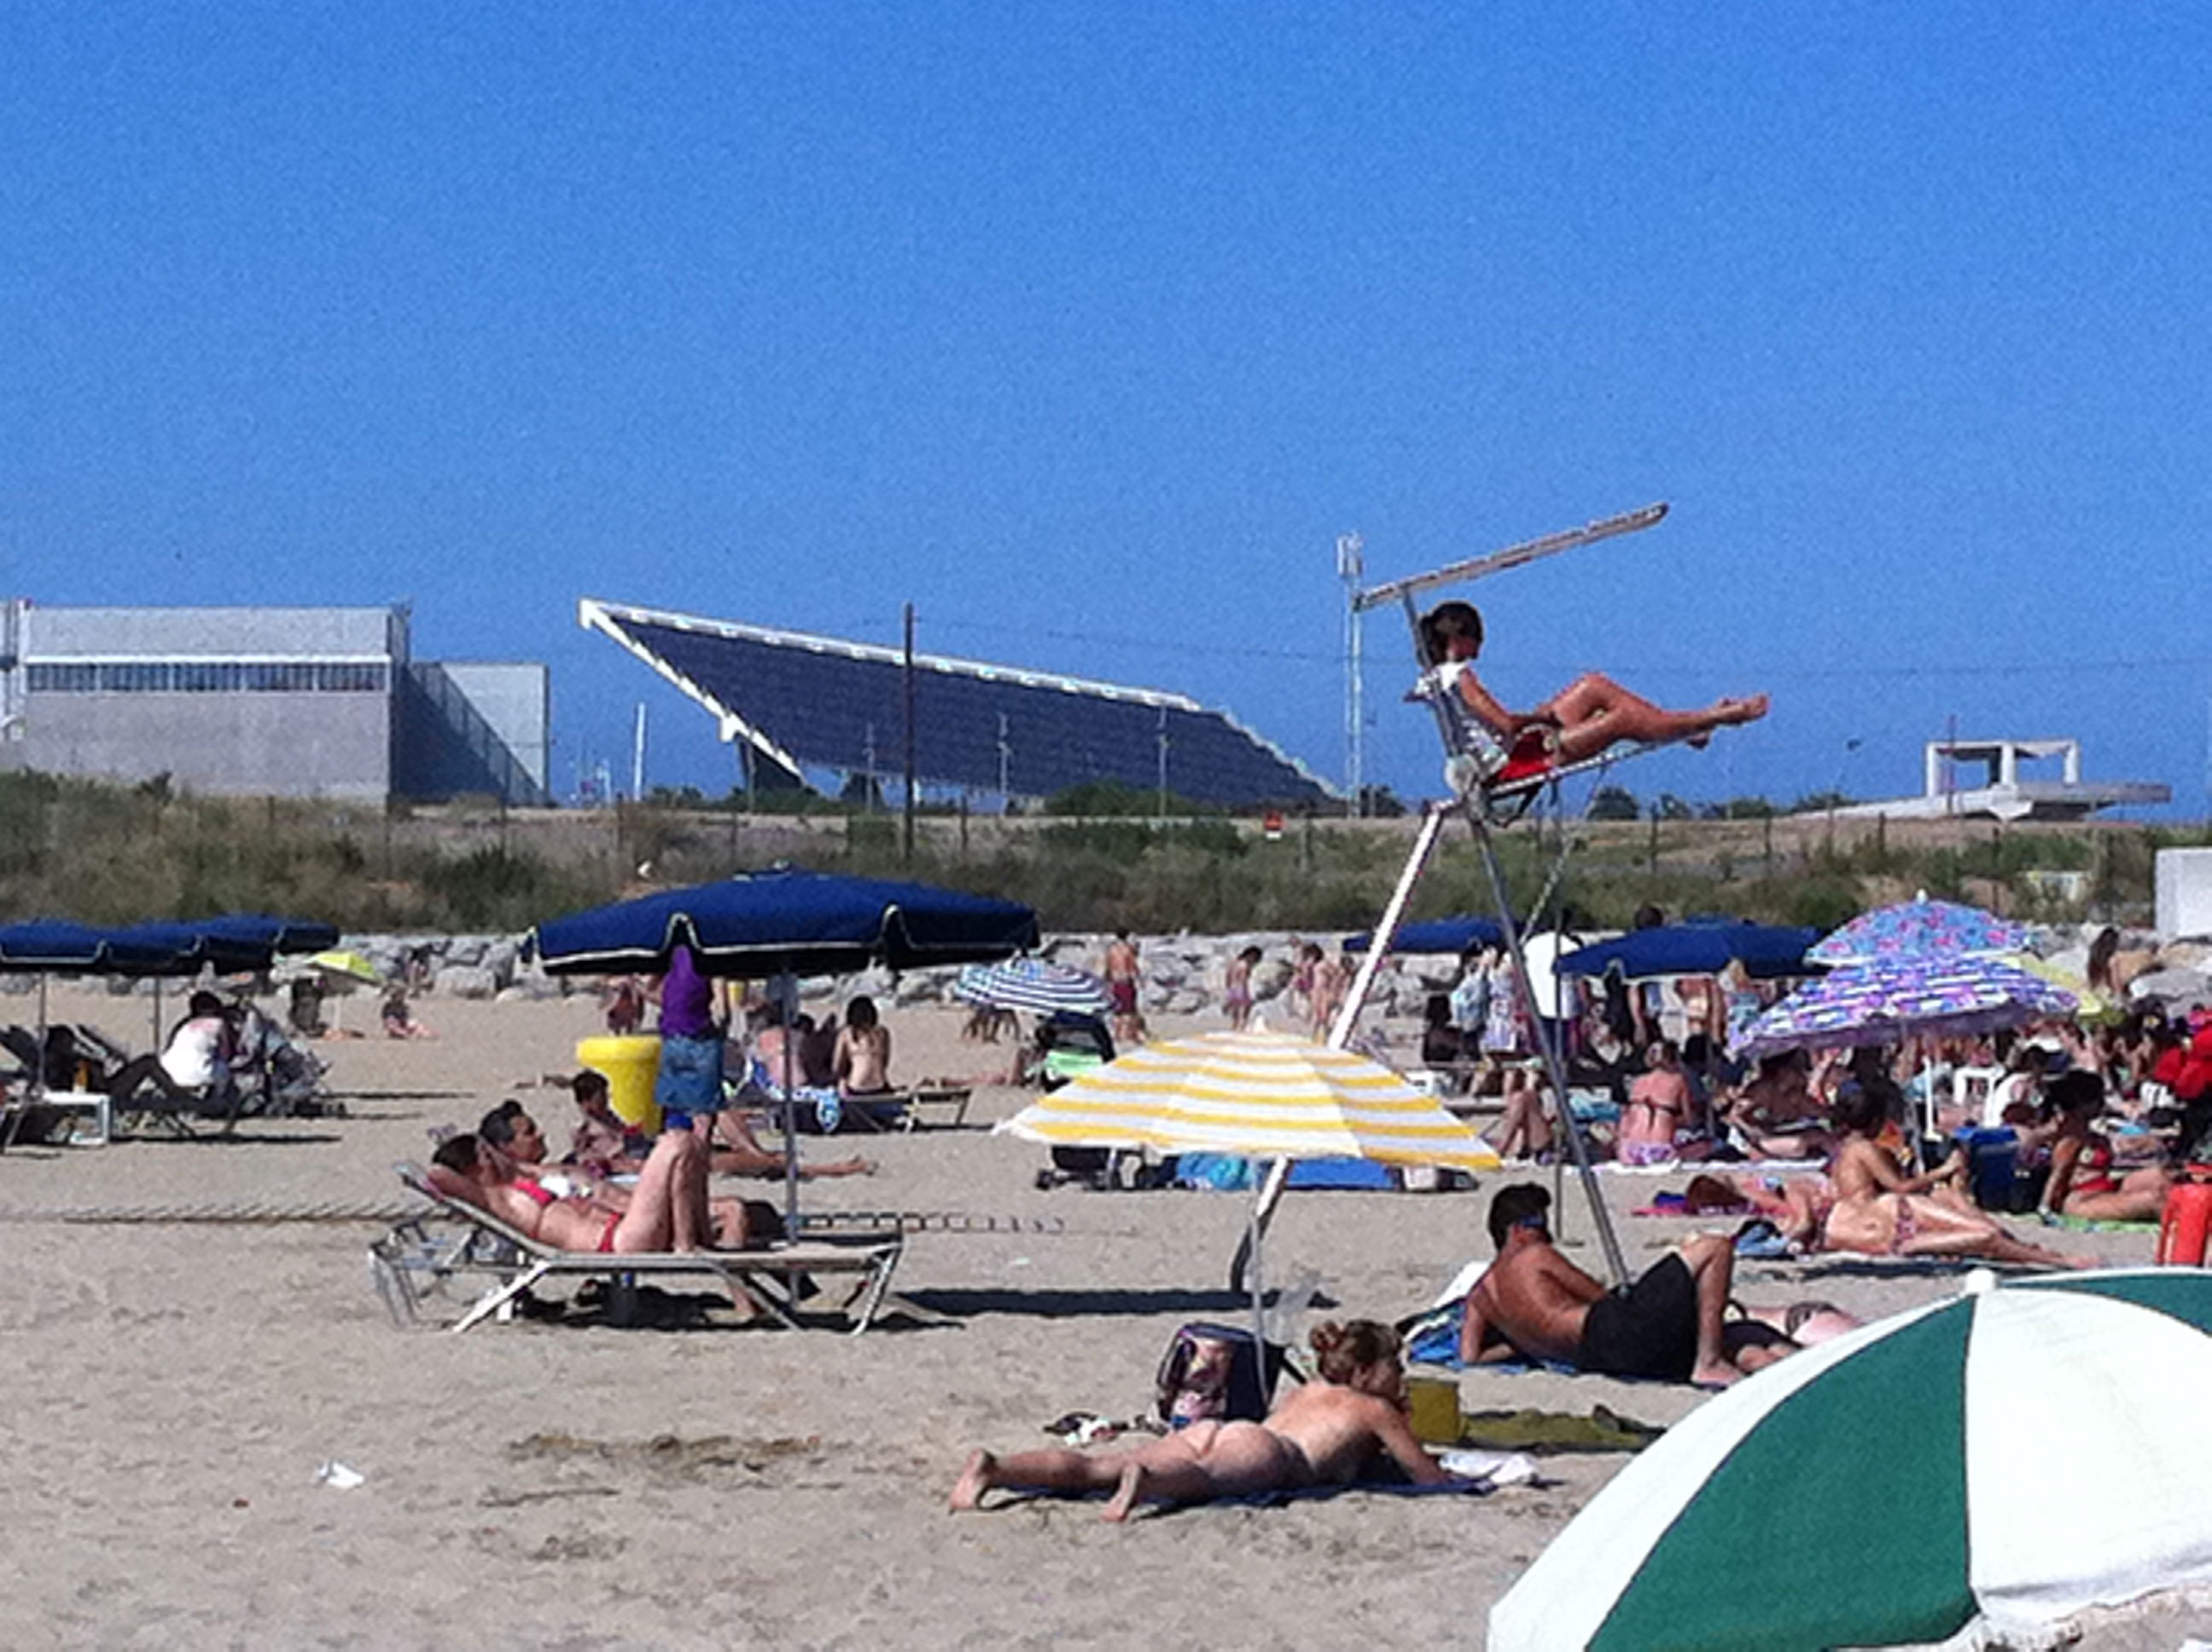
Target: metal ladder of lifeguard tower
1486	809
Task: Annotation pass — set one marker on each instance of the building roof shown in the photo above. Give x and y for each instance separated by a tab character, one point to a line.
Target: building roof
802	699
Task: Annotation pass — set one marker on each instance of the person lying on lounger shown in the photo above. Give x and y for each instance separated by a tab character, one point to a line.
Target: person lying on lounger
663	1212
1589	716
1327	1432
1670	1325
513	1151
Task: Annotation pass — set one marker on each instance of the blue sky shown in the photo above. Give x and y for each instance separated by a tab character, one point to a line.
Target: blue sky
1088	329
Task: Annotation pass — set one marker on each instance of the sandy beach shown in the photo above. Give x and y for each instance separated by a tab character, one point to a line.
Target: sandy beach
176	1385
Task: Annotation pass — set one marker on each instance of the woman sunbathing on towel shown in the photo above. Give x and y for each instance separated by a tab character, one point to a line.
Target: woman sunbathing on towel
1590	715
1325	1433
1879	1211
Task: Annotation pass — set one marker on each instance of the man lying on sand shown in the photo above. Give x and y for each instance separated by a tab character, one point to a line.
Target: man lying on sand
1670	1325
1325	1433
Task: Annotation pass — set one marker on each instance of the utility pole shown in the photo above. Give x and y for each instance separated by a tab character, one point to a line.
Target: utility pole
906	848
1163	762
1351	569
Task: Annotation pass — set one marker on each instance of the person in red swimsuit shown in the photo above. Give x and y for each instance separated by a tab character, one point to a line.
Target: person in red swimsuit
1589	716
2081	1181
661	1215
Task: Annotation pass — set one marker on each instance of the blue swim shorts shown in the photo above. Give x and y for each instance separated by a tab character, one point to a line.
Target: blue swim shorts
690	1076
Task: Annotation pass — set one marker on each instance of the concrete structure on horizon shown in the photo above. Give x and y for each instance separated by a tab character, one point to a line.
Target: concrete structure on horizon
321	702
2004	794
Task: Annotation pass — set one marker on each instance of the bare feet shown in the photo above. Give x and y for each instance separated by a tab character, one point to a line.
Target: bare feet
1717	1374
1125	1495
974	1480
1741	710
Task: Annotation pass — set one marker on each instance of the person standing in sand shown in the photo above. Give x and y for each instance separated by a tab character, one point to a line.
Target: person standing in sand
1325	1433
1585	719
1236	988
1124	974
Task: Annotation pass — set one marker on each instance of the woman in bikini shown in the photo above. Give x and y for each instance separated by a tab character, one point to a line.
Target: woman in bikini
663	1212
1658	1106
2082	1182
1586	717
1879	1211
863	1058
1325	1433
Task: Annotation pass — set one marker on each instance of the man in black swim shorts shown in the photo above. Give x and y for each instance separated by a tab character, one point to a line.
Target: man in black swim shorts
1533	1304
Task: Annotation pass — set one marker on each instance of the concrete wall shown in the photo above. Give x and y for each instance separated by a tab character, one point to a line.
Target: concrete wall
337	744
332	745
2184	892
512	697
223	632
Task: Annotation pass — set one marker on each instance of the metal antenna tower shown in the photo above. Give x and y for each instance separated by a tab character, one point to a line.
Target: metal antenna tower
1351	569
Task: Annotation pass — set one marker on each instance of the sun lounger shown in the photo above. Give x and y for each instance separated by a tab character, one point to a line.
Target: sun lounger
412	1259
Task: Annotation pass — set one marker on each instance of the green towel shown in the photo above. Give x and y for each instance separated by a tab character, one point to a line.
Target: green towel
2090	1224
1604	1430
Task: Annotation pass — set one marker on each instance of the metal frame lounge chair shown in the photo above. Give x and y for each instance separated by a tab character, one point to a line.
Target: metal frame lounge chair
412	1260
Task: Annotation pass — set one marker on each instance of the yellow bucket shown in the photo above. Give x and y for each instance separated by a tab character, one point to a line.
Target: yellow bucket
1432	1409
630	1064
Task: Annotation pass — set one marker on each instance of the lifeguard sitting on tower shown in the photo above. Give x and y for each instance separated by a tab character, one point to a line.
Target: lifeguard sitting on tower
1579	724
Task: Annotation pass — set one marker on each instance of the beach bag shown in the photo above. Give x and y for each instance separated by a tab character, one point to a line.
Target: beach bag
1211	1371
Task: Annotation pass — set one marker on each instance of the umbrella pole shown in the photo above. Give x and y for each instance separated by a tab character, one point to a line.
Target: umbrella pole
37	1084
1547	1047
790	1134
1347	1018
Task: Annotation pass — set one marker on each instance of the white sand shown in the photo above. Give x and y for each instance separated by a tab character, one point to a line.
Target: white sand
174	1387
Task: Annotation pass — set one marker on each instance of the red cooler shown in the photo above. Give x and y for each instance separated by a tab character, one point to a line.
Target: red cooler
2181	1232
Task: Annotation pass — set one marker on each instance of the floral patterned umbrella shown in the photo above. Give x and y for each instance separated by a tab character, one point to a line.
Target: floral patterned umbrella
1919	928
1886	1003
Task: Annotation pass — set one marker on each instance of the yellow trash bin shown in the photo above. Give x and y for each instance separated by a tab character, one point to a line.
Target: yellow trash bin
631	1064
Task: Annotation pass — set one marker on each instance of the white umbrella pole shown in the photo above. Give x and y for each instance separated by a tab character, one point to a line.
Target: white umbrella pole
1362	983
37	1084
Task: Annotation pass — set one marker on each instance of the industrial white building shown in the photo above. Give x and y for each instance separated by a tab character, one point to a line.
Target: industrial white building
323	702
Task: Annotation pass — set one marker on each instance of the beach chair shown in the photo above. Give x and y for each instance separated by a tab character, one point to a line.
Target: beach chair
413	1259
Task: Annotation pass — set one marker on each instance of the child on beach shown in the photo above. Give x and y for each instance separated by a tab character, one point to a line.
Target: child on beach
1325	1433
1236	988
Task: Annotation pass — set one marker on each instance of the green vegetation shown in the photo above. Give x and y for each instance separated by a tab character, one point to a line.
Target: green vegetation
116	854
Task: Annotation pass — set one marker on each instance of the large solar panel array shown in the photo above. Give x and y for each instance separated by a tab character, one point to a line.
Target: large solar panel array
808	700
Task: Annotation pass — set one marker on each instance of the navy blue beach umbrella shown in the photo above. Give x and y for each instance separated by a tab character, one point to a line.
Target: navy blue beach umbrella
56	946
1453	935
787	919
1765	952
281	935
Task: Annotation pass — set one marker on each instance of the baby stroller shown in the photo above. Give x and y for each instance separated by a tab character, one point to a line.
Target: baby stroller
278	1078
1069	1043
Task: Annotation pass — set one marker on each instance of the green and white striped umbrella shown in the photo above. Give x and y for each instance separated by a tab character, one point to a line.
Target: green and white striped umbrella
1991	1466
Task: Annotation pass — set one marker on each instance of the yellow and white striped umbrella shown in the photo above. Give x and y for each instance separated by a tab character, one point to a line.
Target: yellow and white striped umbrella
1260	1095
